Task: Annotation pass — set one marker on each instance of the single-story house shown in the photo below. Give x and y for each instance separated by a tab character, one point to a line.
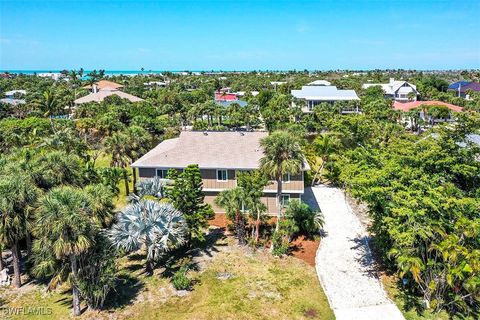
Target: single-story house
398	90
10	97
101	94
317	94
423	106
219	155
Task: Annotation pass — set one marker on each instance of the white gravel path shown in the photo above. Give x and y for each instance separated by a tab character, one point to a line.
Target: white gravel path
344	263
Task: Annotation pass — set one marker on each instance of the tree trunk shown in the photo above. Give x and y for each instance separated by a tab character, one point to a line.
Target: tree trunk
257	227
125	179
1	258
149	264
75	291
279	202
17	281
134	175
240	228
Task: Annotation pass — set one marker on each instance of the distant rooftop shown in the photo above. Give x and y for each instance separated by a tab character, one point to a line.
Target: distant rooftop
415	104
319	83
324	93
241	103
106	92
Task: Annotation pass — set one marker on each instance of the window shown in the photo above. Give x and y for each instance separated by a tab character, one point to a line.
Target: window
285	200
222	175
162	173
286	178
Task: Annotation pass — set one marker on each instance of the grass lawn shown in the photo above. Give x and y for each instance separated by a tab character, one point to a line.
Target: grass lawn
103	161
259	286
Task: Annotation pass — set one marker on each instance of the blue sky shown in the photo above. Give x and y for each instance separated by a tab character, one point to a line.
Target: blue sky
239	35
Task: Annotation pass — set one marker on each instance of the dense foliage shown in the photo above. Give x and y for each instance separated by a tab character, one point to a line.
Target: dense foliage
62	167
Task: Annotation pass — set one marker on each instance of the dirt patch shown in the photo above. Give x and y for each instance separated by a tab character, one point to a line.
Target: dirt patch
220	220
305	249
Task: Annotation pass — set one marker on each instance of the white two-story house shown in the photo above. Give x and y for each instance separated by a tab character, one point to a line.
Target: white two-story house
398	90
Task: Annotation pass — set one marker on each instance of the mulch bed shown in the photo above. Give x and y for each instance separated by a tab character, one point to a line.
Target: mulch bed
302	248
305	249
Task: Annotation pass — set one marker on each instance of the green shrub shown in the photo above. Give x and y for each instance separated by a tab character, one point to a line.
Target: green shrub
180	280
306	220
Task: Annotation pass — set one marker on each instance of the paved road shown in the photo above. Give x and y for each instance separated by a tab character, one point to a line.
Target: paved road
344	263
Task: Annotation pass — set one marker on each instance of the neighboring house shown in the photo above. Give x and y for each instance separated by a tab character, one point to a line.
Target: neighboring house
423	107
101	94
319	83
10	97
104	88
398	90
462	87
155	84
317	94
219	155
225	98
52	75
103	84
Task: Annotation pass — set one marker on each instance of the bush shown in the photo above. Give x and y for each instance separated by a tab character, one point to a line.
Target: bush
306	220
180	280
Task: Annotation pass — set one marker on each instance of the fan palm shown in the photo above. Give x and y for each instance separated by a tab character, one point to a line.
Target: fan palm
156	226
17	195
64	227
282	155
154	187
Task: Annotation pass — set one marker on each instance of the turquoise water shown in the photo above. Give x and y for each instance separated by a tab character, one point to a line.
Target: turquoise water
115	72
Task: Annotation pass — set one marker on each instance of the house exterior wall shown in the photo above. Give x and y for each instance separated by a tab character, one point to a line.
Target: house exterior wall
269	199
211	187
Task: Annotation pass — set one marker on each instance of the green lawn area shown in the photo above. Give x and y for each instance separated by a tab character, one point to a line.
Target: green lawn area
261	287
103	161
402	302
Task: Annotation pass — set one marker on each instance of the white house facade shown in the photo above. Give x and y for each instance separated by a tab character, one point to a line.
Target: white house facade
398	90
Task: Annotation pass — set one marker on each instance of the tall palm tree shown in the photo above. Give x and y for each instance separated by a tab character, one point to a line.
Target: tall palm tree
49	104
232	200
117	146
156	226
17	196
64	227
324	146
282	155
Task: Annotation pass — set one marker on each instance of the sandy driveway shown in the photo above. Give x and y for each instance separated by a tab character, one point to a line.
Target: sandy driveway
344	264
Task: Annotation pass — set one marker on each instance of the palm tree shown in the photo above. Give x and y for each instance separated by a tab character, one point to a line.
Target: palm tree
117	146
156	226
17	196
233	200
64	227
154	187
282	155
324	146
49	104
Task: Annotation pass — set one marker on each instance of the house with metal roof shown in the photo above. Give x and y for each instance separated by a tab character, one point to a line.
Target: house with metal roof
316	94
461	88
220	156
398	90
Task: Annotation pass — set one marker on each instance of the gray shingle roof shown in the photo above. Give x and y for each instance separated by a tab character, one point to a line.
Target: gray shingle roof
222	150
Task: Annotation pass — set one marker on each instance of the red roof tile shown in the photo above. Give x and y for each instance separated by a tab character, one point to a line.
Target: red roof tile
411	105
